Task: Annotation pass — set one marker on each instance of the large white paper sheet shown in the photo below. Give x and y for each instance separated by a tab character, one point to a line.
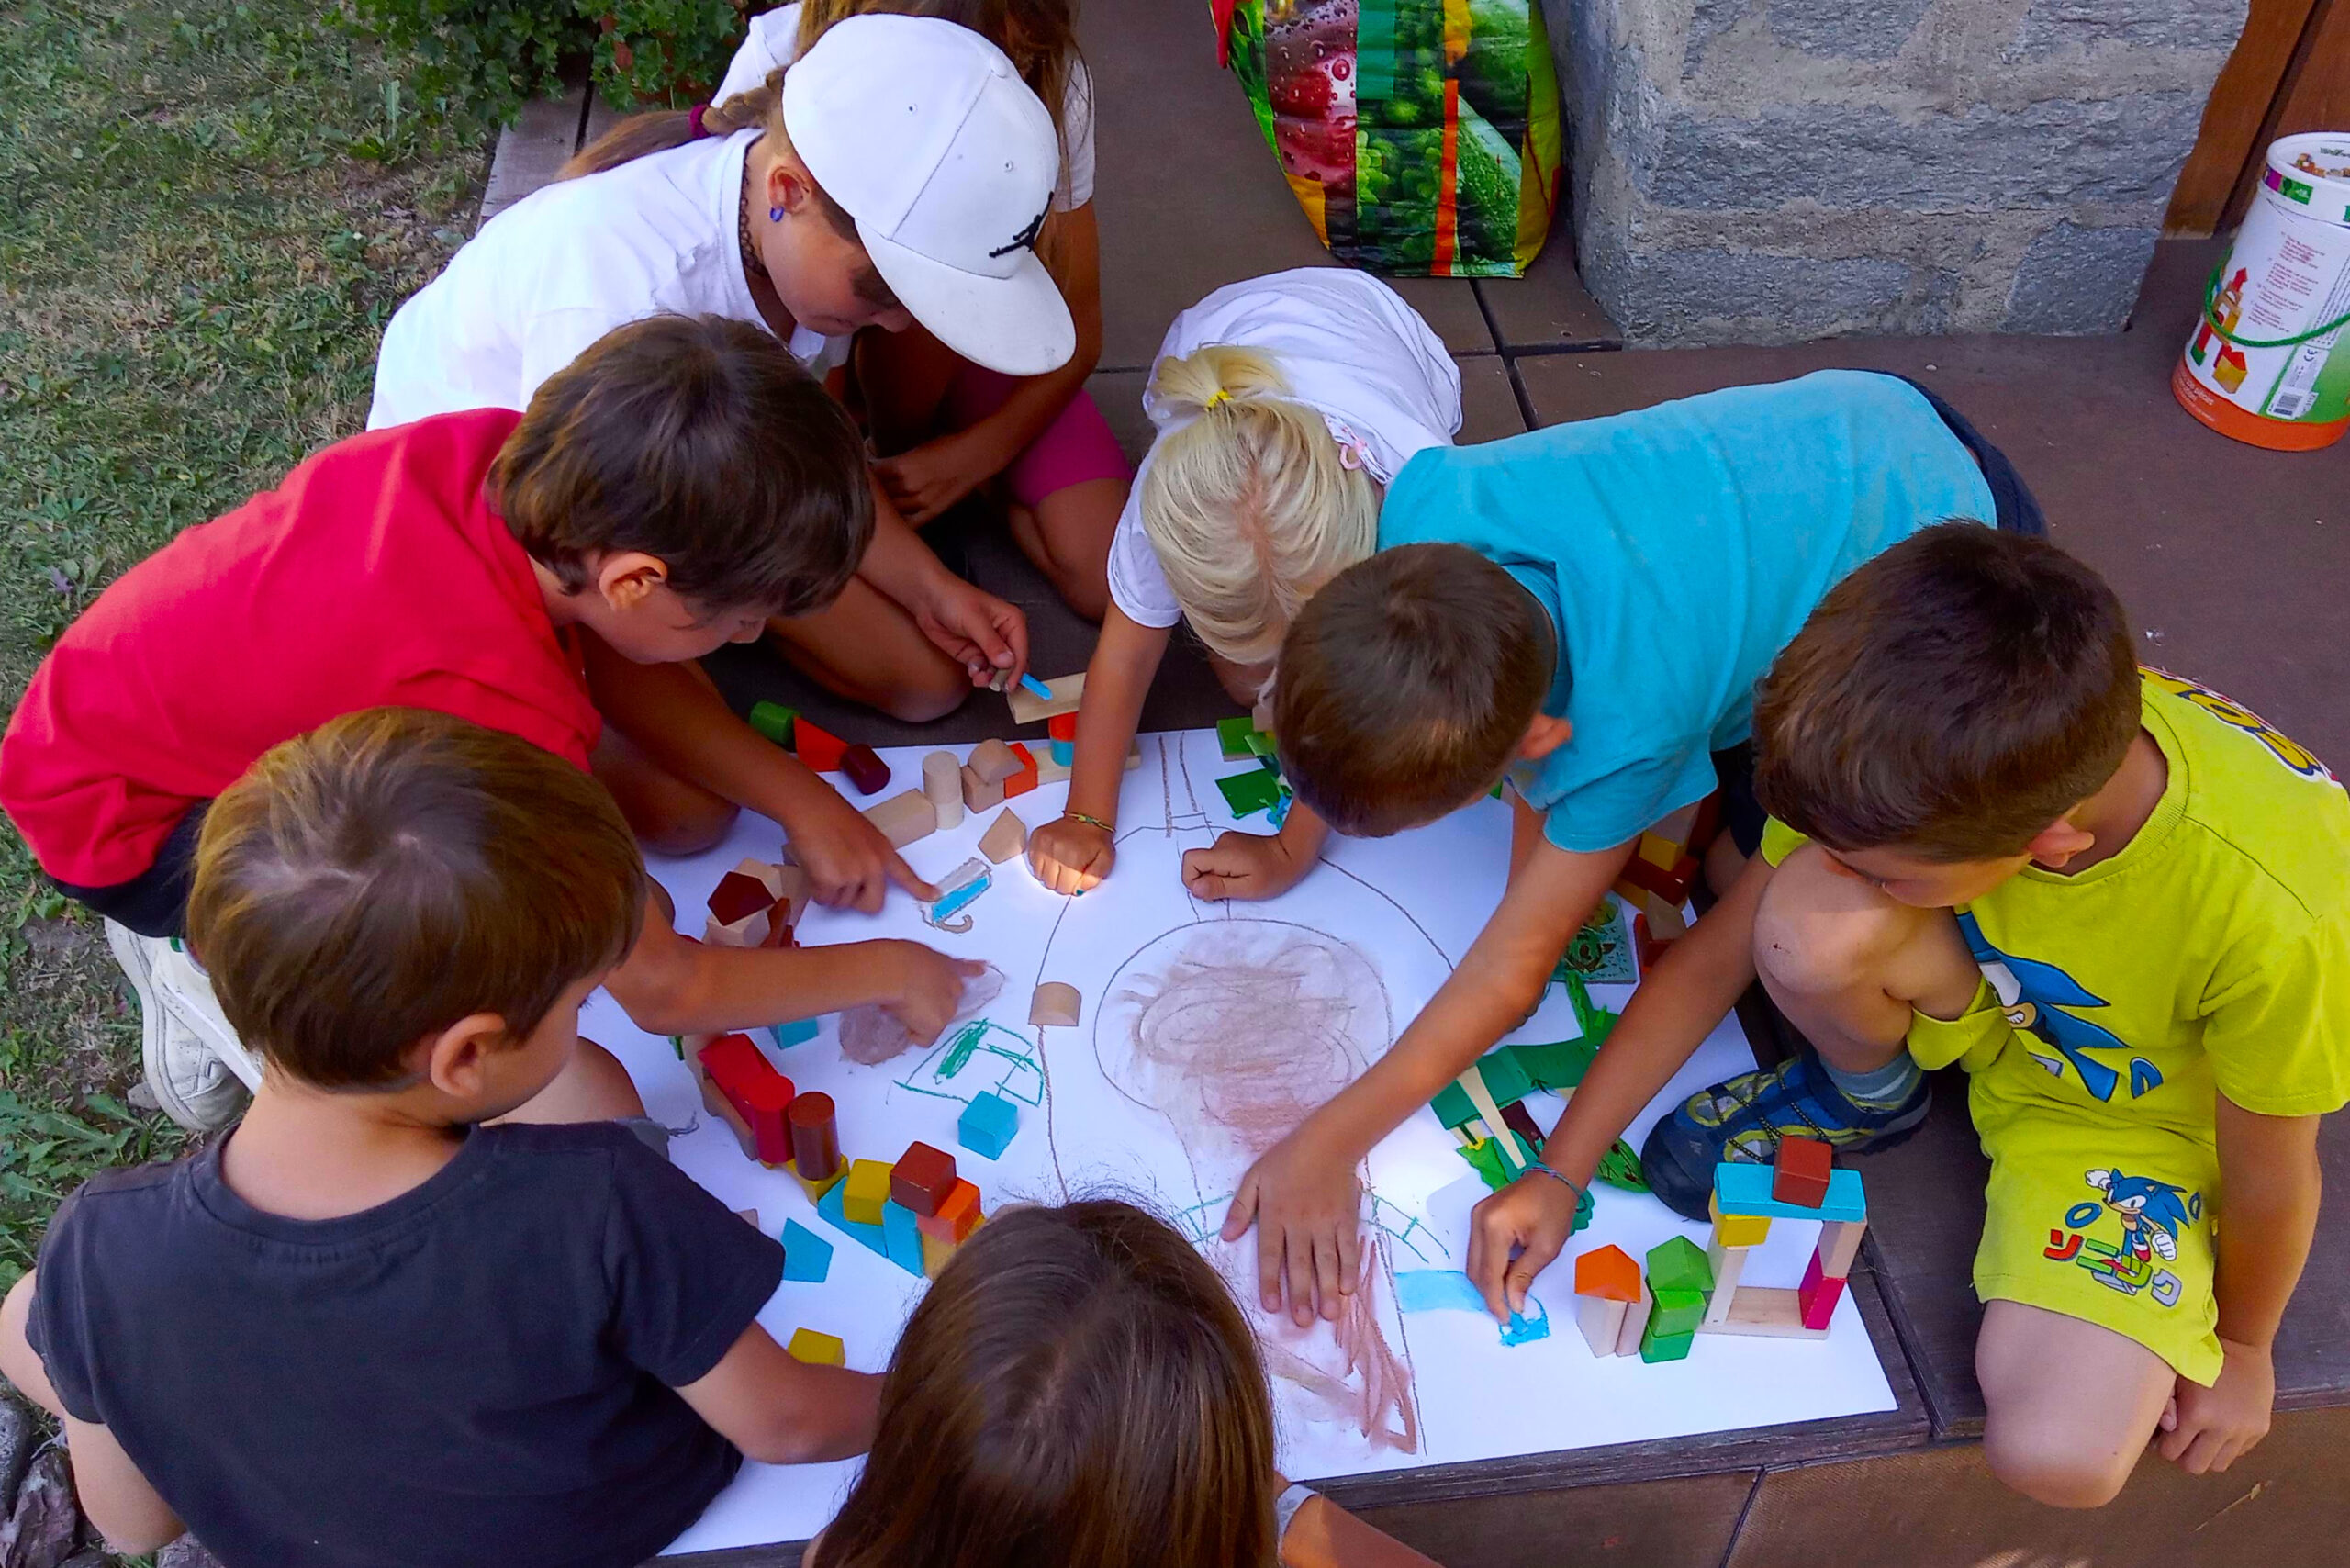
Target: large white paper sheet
1119	1106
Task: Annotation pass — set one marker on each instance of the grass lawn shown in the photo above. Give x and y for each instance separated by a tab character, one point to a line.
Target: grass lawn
206	211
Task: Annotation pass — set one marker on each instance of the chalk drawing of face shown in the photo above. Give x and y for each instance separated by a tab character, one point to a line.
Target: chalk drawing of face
1235	1030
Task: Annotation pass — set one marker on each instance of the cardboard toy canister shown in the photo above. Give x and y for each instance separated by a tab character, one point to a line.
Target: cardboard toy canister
2267	364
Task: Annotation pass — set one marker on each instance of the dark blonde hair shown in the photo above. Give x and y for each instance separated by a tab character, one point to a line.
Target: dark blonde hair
1078	1389
369	884
1952	697
701	442
1406	684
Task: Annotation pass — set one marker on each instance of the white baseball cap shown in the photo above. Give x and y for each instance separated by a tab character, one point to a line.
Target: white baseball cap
925	134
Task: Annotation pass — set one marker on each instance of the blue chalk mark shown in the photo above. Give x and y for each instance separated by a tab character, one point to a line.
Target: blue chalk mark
1448	1290
1036	687
956	898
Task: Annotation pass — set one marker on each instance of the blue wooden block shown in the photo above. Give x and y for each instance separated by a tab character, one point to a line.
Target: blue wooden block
872	1236
901	1237
1746	1190
799	1031
986	1125
1064	753
807	1257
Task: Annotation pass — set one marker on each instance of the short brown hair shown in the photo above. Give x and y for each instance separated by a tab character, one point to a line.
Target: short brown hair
700	441
1952	697
371	883
1078	1388
1406	684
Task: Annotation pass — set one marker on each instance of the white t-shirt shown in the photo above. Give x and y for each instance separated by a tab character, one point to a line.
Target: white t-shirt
658	235
773	41
1348	347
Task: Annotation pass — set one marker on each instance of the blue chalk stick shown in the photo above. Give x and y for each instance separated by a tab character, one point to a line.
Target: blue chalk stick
1036	687
871	1236
902	1237
1746	1190
807	1257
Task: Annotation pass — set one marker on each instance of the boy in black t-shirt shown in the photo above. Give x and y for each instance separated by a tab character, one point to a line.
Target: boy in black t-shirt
377	1324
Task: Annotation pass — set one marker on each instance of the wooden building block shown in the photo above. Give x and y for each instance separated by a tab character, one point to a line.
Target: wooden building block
1023	778
1610	1273
1728	1263
738	897
1839	1245
958	1213
941	785
819	749
1746	1190
1818	1295
1232	738
866	1191
1800	1171
815	1139
1739	1230
904	819
1675	1312
1602	1322
807	1257
750	1217
1051	770
758	1095
1636	1323
774	721
1056	1004
1657	1345
1763	1312
901	1238
1069	692
817	1349
986	1125
993	760
865	770
1061	727
922	1178
1676	1264
1005	837
979	794
936	1255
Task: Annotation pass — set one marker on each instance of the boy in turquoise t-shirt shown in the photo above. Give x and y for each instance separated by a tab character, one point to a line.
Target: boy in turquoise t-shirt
1592	603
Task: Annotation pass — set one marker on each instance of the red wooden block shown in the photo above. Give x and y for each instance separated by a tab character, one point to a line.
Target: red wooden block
1800	1172
957	1215
815	1133
738	897
815	748
759	1094
1020	783
1646	943
1061	727
922	1178
1671	886
1818	1295
867	771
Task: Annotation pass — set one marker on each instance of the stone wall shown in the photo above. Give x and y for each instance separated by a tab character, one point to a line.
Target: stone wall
1767	171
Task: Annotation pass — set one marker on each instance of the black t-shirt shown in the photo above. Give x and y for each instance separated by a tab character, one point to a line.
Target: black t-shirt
480	1372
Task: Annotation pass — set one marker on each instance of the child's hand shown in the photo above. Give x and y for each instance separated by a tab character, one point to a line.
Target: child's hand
1070	856
1240	865
1307	1205
849	861
928	990
2210	1428
925	482
1533	1212
981	632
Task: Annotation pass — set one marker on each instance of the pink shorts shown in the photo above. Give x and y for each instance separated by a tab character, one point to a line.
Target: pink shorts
1075	448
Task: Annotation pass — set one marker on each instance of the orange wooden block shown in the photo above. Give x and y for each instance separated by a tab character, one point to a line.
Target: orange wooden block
1021	782
1608	1272
819	750
957	1215
1061	727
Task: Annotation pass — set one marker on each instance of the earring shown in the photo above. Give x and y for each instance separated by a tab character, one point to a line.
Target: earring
775	214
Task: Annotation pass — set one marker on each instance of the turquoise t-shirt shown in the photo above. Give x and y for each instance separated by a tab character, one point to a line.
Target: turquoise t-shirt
1677	549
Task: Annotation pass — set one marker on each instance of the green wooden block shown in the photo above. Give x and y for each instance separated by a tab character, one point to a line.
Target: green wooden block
1259	744
1678	1263
1249	792
773	720
1232	737
1656	1347
1676	1312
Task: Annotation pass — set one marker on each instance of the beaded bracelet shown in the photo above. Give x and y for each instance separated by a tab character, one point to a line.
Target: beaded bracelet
1090	821
1572	1185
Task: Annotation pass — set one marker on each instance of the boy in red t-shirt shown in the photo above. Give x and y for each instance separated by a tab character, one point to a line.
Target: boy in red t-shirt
539	573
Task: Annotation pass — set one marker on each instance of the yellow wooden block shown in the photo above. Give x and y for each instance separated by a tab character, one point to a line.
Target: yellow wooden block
868	1190
1660	853
1739	1230
816	1190
817	1349
935	1254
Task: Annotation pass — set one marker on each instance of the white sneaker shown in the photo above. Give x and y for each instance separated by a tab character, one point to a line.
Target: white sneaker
192	1081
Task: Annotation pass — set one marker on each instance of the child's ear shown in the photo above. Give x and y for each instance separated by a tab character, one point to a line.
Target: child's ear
1544	735
2058	843
788	186
456	1060
626	578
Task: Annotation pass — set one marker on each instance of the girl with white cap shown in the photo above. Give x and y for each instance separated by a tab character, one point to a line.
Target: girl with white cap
896	174
948	427
1284	404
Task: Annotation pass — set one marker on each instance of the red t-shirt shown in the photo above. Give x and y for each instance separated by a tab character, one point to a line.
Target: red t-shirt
376	575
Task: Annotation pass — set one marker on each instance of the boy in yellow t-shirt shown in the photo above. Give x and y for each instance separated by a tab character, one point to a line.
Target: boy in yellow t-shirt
2121	902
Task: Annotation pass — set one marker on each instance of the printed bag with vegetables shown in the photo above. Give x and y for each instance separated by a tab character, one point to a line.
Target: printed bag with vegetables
1420	136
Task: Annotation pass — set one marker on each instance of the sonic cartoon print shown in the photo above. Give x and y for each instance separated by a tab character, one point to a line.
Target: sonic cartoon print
2038	1000
2152	1213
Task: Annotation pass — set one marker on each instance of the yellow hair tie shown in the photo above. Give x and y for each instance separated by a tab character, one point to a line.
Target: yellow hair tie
1218	396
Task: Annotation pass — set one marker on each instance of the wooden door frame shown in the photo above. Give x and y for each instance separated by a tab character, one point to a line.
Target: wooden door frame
2290	72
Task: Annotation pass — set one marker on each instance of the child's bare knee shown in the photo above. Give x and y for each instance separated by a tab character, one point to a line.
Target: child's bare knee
688	823
2052	1468
1812	945
931	692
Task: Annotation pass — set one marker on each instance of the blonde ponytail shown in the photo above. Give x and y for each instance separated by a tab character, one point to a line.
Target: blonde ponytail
1249	505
